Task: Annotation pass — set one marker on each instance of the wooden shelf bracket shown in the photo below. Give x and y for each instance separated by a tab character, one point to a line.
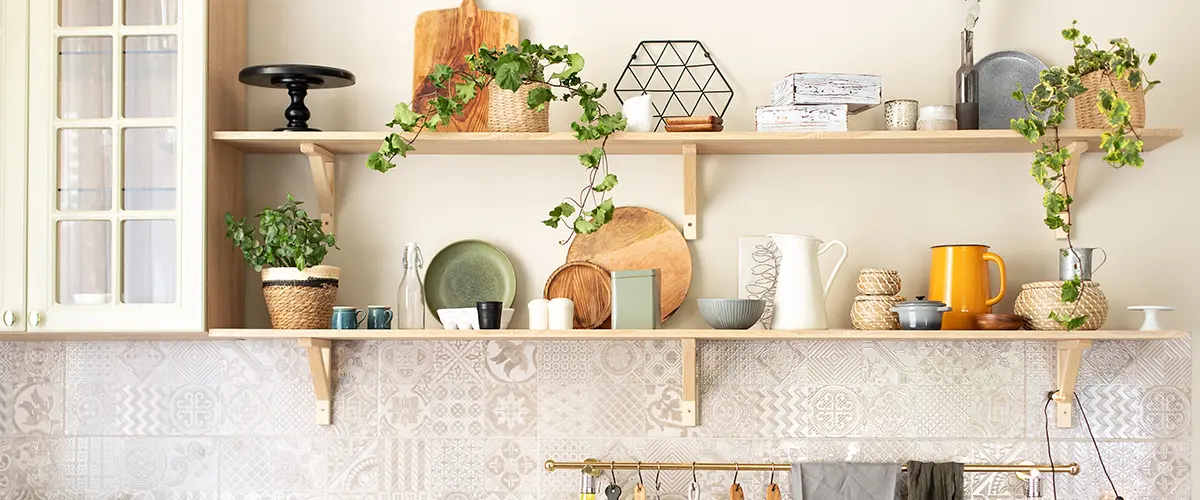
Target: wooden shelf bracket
1071	169
690	403
690	223
322	161
1070	355
320	363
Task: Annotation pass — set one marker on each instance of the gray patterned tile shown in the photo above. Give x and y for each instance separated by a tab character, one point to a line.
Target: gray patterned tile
1117	412
619	362
456	362
664	361
33	464
273	464
664	411
358	465
32	362
404	362
511	361
457	465
512	465
511	410
31	408
403	410
100	466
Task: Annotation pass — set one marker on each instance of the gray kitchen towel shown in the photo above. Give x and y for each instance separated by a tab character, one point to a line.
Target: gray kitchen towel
844	481
930	481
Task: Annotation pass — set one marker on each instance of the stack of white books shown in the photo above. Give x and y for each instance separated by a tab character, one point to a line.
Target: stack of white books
817	102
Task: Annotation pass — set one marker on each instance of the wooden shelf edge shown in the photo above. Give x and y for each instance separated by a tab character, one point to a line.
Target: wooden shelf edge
1015	336
100	336
663	143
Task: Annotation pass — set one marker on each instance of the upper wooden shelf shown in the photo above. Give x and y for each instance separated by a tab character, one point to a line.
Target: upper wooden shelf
663	143
1019	335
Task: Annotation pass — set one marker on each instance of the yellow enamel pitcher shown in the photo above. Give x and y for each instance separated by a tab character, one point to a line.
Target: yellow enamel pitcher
959	277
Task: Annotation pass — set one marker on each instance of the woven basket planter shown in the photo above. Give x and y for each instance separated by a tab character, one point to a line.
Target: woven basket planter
1038	300
871	312
300	300
1087	110
874	281
509	111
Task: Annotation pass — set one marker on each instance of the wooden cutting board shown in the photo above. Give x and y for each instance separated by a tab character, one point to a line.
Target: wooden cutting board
588	286
445	37
640	238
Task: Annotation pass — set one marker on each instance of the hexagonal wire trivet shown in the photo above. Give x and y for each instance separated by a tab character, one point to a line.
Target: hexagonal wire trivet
687	63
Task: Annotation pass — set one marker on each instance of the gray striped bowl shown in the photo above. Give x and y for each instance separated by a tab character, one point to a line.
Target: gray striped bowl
731	314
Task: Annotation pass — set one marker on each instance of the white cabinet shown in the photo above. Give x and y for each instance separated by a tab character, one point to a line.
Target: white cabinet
13	46
117	170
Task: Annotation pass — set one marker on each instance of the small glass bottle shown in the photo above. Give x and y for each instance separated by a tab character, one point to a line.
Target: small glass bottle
410	298
967	85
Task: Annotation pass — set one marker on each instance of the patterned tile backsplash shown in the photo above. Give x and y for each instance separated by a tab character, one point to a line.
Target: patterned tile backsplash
475	420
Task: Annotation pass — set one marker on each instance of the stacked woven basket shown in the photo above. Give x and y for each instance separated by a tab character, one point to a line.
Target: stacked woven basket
879	289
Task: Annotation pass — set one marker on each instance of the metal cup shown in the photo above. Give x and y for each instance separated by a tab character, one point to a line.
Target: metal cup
1078	262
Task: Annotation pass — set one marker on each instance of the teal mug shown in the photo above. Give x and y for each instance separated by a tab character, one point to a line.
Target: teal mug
379	318
347	317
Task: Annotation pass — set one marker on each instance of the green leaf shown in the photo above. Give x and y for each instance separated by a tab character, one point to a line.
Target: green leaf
508	75
609	182
378	163
574	66
539	97
603	213
584	226
607	124
592	158
404	116
1071	289
465	91
562	210
440	75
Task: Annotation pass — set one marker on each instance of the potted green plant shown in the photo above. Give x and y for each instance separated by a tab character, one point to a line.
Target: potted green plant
287	247
1108	86
522	68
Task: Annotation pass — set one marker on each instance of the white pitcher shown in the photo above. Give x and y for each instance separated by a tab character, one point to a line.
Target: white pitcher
639	114
799	297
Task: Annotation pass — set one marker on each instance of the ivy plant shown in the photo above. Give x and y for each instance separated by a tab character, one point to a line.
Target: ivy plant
285	237
510	68
1047	105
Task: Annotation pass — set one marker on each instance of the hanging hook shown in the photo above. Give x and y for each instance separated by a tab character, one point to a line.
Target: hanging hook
694	480
612	470
736	469
772	480
657	484
639	467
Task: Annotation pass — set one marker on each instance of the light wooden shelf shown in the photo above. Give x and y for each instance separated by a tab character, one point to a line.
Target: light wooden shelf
100	336
551	335
664	143
322	149
319	346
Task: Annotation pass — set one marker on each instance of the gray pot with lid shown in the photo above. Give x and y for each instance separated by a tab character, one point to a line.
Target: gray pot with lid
920	314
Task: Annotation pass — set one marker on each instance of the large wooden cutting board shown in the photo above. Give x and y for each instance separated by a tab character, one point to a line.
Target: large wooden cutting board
640	238
445	37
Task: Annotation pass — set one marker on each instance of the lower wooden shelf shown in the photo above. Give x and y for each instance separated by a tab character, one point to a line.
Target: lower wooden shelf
319	347
705	334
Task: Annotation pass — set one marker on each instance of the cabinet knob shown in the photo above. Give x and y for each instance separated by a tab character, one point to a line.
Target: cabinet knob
9	317
35	318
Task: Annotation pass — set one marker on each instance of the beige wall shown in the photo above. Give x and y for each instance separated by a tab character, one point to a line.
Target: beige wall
888	209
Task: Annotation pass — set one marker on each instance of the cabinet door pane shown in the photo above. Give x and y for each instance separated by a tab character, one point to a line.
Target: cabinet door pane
84	12
149	262
150	67
150	12
85	169
85	77
150	169
84	260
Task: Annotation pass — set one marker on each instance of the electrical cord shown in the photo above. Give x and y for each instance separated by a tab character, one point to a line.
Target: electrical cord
1096	446
1050	456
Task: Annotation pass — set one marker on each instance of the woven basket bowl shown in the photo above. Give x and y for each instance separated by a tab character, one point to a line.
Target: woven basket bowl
874	281
509	111
1087	110
871	312
300	300
1038	300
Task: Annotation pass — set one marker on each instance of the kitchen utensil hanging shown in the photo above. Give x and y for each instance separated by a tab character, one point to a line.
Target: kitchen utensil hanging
679	75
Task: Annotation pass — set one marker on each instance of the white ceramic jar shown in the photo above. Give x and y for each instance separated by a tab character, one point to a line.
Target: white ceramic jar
936	118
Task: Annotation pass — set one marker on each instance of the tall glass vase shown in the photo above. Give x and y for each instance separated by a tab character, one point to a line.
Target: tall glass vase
410	297
967	85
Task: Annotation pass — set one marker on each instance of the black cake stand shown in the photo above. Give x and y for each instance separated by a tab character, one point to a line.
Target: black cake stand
297	79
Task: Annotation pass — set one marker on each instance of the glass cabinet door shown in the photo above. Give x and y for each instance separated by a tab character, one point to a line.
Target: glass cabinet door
117	231
14	17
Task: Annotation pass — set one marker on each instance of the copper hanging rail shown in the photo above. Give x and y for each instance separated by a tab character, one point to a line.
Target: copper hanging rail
594	467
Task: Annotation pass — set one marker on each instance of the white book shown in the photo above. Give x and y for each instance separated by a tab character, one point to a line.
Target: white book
859	92
801	118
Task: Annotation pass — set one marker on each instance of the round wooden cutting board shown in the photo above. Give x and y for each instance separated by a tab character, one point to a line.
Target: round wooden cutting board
588	286
640	238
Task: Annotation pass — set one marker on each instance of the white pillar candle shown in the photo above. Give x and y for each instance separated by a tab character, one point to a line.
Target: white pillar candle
562	314
539	314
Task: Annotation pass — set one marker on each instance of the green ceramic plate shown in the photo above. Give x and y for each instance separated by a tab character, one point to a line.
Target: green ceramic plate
466	272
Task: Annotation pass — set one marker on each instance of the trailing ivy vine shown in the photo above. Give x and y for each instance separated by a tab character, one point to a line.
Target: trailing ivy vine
511	68
1120	143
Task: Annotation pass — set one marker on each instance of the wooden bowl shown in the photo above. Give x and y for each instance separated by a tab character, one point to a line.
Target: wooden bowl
998	321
